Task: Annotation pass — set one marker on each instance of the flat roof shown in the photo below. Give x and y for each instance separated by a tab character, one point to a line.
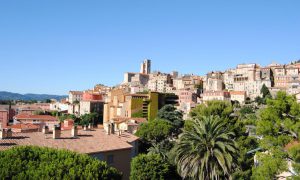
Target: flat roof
88	142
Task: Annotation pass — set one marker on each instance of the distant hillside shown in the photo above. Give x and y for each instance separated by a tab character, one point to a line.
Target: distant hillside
38	97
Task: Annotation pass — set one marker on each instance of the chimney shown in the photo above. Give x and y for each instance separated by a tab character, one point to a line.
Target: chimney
85	127
2	134
74	132
9	133
90	126
112	128
45	130
108	129
56	132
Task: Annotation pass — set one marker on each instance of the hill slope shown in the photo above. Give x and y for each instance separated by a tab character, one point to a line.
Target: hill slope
4	95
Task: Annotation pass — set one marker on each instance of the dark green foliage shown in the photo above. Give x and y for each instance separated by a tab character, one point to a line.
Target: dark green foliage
265	95
54	113
207	150
39	112
294	153
155	131
280	121
138	114
222	109
149	167
175	117
259	100
88	118
245	161
162	148
45	163
265	91
76	102
271	163
246	110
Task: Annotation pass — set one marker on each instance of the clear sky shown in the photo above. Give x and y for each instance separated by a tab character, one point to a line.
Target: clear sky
52	46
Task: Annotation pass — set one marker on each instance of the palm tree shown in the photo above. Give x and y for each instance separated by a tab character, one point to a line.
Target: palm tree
207	151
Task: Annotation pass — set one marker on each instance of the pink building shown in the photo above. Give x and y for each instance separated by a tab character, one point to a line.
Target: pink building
6	113
186	96
4	118
216	95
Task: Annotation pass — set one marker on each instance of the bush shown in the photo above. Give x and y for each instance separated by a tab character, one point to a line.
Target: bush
27	162
151	166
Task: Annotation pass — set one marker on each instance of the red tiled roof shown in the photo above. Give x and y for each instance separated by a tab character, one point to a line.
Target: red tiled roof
36	117
24	126
76	92
237	92
88	142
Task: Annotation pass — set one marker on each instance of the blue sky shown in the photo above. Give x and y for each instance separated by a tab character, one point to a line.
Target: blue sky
59	45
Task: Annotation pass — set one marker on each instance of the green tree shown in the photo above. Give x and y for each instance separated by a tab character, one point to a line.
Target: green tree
39	112
259	100
207	151
86	119
155	131
245	160
223	109
48	101
213	108
279	122
294	154
270	164
175	117
265	91
149	167
246	110
162	148
45	163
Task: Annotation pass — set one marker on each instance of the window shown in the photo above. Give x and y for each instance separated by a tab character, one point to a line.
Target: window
110	159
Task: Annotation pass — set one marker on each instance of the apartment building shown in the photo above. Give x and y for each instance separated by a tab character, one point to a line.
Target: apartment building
214	81
75	96
188	81
216	95
239	96
158	82
135	78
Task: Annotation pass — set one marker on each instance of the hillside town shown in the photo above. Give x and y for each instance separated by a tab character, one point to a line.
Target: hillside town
103	121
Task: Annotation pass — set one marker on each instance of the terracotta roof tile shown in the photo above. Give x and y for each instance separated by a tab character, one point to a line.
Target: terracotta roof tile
39	117
24	126
88	142
238	92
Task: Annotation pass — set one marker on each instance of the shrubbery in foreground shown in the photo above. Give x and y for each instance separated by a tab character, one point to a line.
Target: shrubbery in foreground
27	162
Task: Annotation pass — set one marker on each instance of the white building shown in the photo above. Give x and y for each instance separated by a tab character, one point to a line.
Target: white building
75	96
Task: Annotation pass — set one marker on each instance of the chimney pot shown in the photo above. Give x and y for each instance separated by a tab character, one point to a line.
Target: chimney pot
3	134
90	126
56	132
112	128
74	131
45	130
9	133
108	129
85	127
